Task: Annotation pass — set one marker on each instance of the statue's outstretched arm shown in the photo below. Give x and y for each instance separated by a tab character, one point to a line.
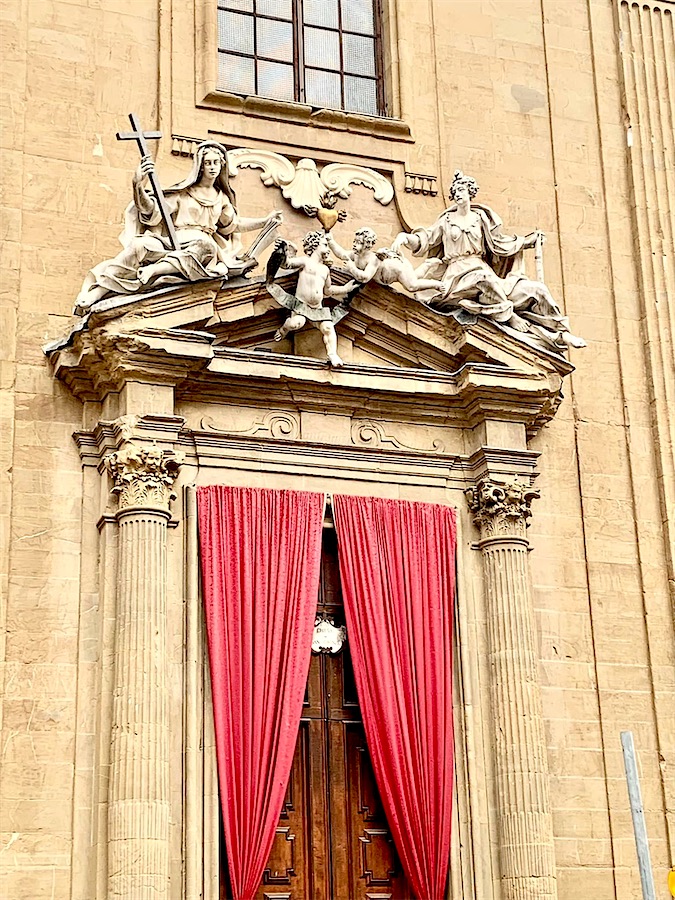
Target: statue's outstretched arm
411	241
334	290
244	224
336	249
295	262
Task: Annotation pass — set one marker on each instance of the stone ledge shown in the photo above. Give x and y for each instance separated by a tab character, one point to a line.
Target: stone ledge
380	127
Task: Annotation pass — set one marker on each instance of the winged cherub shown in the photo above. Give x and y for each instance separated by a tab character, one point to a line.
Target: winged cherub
314	284
385	266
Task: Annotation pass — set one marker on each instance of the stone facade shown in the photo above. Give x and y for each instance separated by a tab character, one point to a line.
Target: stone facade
563	110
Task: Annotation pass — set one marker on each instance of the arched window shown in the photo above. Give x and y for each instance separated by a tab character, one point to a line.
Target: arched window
326	53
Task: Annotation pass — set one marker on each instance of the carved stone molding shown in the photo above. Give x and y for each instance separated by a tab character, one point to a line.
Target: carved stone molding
415	183
479	374
501	509
328	637
366	433
302	184
143	476
275	425
183	146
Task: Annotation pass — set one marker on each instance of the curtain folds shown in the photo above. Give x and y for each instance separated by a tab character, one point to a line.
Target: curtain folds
260	557
397	566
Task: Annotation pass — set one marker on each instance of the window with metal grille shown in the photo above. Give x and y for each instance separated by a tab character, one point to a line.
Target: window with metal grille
326	53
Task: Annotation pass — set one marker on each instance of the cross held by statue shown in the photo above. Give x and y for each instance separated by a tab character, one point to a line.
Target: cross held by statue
142	137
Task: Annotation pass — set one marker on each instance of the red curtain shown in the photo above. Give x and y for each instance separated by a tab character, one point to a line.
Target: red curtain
260	557
397	565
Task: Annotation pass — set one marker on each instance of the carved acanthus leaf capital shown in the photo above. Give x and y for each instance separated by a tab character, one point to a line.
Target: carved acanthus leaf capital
143	475
501	509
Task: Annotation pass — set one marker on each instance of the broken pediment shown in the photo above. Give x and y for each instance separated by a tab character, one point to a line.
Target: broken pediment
212	344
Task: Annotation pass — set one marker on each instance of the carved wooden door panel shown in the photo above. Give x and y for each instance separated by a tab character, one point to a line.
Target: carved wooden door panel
332	840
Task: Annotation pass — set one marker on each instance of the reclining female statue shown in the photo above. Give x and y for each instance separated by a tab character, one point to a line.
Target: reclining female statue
204	212
480	270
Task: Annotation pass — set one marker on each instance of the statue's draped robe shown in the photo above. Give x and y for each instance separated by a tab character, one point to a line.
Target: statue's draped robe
465	255
207	229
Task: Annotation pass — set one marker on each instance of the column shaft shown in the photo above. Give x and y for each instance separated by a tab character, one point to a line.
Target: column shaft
526	847
521	768
138	804
138	797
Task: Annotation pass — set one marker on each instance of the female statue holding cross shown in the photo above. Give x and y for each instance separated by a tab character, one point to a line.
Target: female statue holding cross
207	227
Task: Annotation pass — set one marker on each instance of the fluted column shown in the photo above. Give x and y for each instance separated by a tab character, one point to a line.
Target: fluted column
526	850
138	798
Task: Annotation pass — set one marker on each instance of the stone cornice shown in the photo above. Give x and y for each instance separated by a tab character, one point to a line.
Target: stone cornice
108	436
442	372
188	361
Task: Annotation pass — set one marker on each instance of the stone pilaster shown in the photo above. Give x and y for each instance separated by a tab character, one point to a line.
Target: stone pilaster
526	850
138	799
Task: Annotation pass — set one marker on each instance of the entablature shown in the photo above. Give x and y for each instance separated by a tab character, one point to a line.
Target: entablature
197	340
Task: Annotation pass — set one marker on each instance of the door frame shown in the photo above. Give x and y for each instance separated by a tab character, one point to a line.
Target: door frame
472	862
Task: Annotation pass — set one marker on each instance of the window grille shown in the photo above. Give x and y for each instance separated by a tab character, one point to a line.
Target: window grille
326	53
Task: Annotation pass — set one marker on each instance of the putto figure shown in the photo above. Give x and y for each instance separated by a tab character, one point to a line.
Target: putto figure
385	266
480	269
314	284
203	209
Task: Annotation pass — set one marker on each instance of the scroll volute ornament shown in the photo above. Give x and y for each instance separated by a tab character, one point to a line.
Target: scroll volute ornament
501	509
143	476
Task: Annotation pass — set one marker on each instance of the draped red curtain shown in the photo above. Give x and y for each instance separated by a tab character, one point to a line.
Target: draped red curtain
397	565
260	558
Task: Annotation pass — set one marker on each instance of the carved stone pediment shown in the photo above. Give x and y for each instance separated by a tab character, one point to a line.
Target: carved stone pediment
210	343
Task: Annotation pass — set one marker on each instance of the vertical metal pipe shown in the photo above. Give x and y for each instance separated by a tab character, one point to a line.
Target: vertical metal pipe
638	814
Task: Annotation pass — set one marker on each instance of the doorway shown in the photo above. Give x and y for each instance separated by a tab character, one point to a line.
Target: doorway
332	841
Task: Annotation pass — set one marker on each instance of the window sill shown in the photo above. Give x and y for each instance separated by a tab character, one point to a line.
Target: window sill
302	114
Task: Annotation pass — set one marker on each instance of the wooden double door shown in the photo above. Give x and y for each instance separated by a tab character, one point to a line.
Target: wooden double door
332	841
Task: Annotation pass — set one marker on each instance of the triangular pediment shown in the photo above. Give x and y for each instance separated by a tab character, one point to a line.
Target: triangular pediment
206	335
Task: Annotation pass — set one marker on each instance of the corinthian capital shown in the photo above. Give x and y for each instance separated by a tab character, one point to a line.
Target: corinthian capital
143	475
501	509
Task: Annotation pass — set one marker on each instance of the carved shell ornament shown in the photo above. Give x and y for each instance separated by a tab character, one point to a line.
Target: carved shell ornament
302	184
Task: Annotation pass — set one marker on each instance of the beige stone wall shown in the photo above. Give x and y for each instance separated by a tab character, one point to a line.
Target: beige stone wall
563	111
69	72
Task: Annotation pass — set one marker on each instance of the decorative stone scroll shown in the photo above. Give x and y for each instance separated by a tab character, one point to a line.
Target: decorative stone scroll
279	425
139	793
303	185
527	861
368	433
